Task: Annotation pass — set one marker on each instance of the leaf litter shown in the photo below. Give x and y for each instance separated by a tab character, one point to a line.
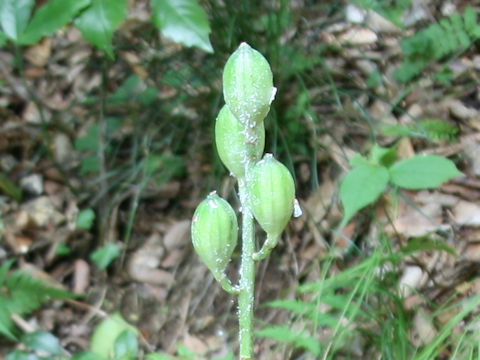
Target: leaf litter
161	287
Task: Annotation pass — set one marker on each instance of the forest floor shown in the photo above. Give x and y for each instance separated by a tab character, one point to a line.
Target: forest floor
95	153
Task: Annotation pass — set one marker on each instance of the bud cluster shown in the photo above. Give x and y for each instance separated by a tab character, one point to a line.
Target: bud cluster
240	139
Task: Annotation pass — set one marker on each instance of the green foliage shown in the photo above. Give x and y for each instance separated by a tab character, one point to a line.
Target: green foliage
298	340
126	345
360	187
340	306
50	17
104	256
391	10
108	337
432	129
14	15
369	178
98	22
42	341
9	188
85	219
183	21
450	35
422	172
21	294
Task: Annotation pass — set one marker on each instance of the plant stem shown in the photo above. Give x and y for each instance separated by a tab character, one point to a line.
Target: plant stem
247	276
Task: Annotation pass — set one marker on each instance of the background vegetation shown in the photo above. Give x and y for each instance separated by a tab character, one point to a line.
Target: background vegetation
107	113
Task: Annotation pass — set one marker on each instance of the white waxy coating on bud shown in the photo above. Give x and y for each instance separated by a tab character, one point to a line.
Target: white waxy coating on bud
214	233
272	194
235	143
248	85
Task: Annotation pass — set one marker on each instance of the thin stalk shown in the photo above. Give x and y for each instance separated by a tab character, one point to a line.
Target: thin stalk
247	276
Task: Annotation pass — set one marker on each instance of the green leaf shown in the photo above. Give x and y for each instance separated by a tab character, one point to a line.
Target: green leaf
62	250
470	20
9	188
382	156
22	294
88	141
358	160
158	356
21	355
50	17
85	355
14	15
89	164
98	22
423	172
361	187
126	345
105	334
183	21
283	333
424	243
229	356
42	341
103	256
85	219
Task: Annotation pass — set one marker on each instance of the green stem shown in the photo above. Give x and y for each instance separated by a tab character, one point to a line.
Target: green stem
270	243
227	285
247	276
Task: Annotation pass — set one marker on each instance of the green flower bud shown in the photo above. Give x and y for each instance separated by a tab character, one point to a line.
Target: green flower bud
248	85
235	143
214	233
272	194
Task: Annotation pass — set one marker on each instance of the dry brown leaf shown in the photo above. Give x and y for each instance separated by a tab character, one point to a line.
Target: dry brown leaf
411	279
40	53
423	331
81	276
466	213
178	235
418	222
358	36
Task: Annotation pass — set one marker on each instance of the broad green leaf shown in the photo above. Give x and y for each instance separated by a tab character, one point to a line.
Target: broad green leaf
103	256
382	156
42	341
88	141
50	17
14	15
183	21
361	187
126	345
85	355
21	355
89	164
358	160
85	219
3	41
63	250
105	334
98	22
422	172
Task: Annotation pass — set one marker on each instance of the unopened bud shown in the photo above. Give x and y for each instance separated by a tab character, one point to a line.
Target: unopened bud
272	194
214	233
237	144
248	85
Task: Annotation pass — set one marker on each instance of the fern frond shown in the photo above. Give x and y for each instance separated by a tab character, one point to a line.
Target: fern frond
449	36
21	294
